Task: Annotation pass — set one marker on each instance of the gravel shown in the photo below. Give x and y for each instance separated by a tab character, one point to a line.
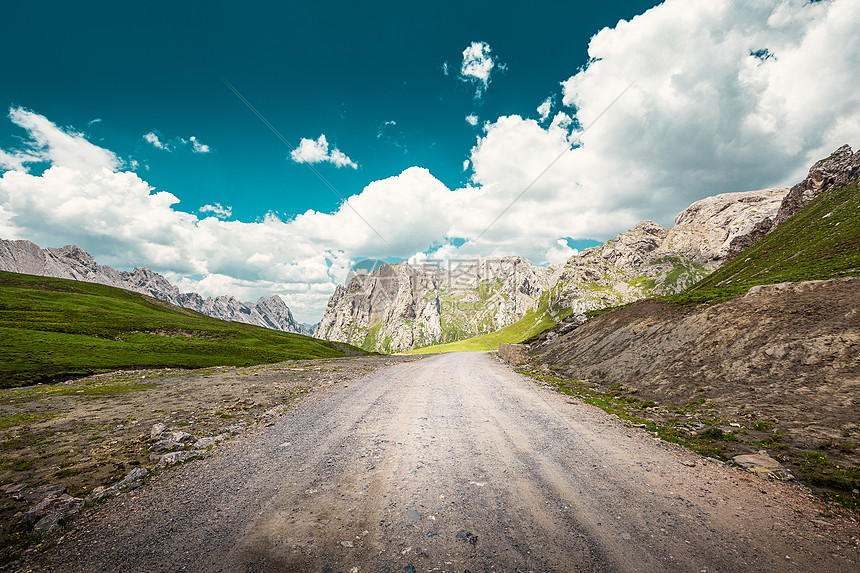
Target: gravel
502	475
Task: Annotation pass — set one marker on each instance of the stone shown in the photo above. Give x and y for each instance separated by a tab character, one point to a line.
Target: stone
14	488
276	411
237	428
99	493
164	446
204	443
176	457
54	507
764	466
133	477
37	494
466	536
413	514
156	431
513	353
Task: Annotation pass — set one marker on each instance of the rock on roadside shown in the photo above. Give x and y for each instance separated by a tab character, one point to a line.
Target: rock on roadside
763	465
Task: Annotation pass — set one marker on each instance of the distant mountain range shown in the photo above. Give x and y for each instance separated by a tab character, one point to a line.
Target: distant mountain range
71	262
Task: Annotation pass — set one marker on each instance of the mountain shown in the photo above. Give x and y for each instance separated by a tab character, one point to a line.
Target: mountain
71	262
397	306
400	307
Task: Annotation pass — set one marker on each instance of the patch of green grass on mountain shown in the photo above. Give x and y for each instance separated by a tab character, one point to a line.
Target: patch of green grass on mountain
55	329
533	323
818	242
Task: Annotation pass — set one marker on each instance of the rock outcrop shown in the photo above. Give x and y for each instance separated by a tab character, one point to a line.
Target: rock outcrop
72	262
651	260
839	169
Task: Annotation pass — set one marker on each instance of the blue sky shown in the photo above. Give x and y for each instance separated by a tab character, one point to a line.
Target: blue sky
122	136
343	69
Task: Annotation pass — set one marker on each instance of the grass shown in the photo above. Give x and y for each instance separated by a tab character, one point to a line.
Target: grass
818	242
830	481
533	323
54	329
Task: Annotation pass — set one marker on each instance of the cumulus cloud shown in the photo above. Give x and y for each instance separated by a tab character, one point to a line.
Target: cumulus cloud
317	151
218	210
472	119
196	147
706	114
560	252
155	141
478	65
544	109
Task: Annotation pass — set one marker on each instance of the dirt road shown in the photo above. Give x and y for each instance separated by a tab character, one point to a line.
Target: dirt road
455	463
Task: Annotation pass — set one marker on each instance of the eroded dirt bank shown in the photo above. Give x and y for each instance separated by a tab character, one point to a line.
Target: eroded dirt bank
784	356
455	463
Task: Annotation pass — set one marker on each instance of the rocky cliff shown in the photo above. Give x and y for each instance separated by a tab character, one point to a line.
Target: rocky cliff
71	262
398	307
839	169
651	260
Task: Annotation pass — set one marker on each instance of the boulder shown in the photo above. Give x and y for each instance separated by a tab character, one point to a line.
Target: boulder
513	353
156	431
204	443
763	465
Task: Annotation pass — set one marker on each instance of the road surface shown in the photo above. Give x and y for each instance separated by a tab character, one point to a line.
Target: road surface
453	463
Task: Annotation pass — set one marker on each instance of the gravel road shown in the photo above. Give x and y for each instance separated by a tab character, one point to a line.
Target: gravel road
454	463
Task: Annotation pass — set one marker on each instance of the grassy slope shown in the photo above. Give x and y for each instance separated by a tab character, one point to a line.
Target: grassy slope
821	241
533	323
55	328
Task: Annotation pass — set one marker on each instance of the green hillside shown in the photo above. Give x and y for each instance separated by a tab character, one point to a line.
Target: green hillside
55	328
533	323
821	241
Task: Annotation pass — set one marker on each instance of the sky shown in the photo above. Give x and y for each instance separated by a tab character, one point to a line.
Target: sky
265	148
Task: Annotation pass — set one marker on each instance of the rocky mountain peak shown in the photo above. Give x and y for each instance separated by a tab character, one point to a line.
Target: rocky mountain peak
840	168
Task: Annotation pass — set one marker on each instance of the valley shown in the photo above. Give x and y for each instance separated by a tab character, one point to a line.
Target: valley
734	332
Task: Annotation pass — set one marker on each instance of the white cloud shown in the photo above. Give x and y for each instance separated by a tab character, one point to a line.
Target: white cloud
198	147
544	108
478	65
316	151
218	210
707	116
445	69
560	252
155	141
472	119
